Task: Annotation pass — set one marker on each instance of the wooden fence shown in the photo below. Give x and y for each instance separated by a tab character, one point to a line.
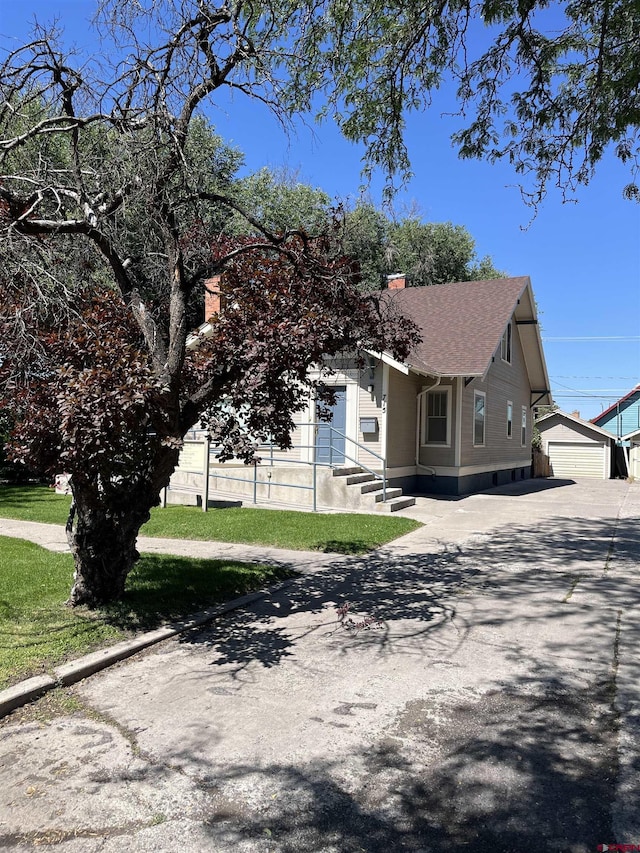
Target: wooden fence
540	464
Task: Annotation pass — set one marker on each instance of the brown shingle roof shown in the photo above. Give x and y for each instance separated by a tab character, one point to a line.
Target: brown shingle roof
461	323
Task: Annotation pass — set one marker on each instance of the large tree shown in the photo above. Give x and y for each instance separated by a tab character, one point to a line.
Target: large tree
380	241
427	252
96	398
108	211
118	204
279	200
547	86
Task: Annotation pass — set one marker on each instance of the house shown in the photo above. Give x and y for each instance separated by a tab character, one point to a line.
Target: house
623	416
575	447
455	417
622	421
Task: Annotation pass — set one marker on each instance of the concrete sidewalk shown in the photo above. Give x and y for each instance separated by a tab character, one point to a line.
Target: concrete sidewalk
53	537
483	695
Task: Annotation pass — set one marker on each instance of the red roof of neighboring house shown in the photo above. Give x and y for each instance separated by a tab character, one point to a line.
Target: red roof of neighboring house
461	323
617	403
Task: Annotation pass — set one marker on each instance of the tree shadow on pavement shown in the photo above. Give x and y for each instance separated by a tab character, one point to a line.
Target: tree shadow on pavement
506	772
524	759
528	764
514	575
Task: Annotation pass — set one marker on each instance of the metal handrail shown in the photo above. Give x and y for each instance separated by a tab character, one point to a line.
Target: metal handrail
314	463
356	461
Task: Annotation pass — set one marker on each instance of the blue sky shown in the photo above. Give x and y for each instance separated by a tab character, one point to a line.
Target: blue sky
583	258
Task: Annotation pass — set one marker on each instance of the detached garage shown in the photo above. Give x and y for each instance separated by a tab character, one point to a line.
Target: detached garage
575	448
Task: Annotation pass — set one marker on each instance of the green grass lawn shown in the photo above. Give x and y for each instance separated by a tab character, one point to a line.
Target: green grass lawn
345	533
37	631
34	503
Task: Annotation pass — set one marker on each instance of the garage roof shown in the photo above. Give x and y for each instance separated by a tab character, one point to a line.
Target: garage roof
585	424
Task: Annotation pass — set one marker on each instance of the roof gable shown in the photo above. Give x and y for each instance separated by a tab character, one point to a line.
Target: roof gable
624	402
546	421
461	323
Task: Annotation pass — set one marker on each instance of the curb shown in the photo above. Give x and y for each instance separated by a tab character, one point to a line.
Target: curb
74	671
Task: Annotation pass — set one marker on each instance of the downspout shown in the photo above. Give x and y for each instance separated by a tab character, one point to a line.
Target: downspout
418	403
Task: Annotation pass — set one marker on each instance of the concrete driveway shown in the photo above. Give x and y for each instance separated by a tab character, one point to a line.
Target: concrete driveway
475	685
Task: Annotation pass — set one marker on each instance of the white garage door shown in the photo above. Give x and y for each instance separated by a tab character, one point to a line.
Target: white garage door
577	459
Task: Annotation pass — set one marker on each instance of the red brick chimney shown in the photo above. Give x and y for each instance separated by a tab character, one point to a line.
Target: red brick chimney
212	296
396	281
576	413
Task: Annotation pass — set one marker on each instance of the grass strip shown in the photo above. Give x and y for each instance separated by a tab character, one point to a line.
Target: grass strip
344	533
37	630
34	503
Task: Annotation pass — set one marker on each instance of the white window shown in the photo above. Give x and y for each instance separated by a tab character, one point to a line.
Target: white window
523	434
479	417
509	419
505	346
437	422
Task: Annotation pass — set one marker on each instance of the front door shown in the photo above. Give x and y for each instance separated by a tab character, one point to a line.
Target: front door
330	443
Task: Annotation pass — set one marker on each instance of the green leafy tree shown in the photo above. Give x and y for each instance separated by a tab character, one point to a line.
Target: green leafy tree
436	252
427	252
364	237
98	187
279	201
549	88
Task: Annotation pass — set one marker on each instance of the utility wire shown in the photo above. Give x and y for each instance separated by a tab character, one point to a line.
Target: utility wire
617	378
578	394
627	338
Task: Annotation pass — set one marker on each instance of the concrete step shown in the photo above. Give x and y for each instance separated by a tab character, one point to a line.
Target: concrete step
373	486
354	479
392	494
345	472
400	503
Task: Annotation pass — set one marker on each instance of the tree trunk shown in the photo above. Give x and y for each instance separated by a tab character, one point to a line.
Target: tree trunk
102	535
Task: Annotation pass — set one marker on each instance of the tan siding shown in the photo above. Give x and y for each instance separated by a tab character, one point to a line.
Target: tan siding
296	438
503	382
401	419
553	429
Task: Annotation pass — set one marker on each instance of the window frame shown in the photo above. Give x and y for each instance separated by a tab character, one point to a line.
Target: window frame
446	390
509	419
480	395
506	344
523	427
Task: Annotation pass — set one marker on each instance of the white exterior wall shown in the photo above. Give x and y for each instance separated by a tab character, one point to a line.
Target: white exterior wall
365	448
371	405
